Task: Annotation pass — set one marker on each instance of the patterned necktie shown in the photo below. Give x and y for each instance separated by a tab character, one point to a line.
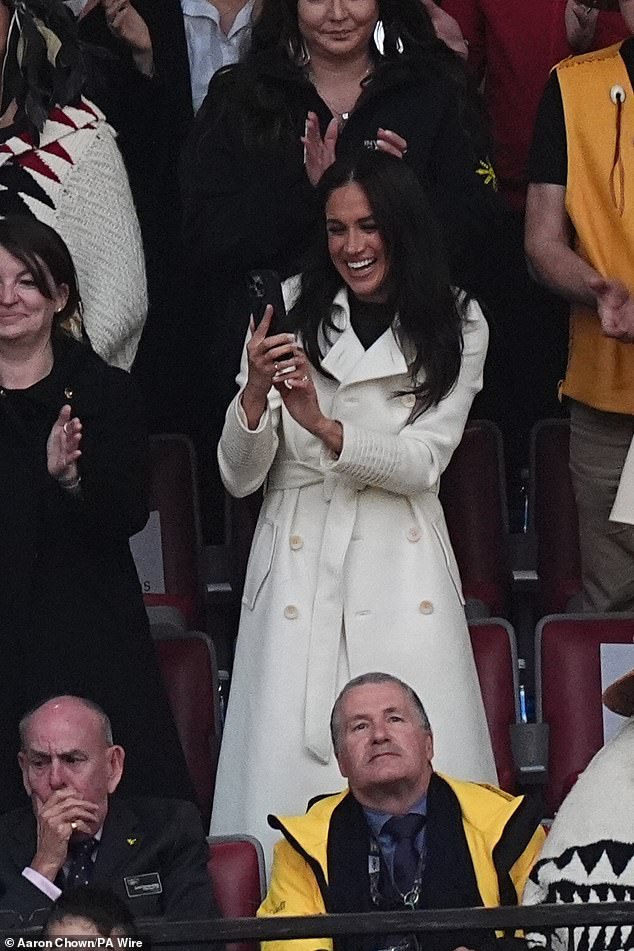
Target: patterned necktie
80	865
403	830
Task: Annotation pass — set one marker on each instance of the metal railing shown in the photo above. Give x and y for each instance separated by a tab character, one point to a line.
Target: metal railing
509	919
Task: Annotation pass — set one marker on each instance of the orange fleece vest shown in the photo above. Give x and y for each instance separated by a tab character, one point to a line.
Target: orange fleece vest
600	203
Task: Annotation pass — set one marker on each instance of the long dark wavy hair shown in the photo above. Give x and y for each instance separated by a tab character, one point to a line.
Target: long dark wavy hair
429	323
261	107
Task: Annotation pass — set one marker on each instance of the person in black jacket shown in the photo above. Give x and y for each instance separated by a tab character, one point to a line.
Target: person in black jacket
320	81
150	852
74	473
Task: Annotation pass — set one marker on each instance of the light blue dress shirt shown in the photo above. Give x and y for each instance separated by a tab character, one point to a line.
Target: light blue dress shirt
208	47
376	820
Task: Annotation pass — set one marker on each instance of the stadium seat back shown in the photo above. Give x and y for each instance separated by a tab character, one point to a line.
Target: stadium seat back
495	653
473	495
236	869
188	666
568	691
554	516
174	495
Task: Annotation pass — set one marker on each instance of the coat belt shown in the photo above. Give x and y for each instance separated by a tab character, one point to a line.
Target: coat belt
326	621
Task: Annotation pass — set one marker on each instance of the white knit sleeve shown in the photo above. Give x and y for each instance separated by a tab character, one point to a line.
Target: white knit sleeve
98	221
246	455
413	460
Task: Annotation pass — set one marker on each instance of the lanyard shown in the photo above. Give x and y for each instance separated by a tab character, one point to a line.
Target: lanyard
411	898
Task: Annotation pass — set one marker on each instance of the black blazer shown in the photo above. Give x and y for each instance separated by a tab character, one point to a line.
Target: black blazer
140	836
150	115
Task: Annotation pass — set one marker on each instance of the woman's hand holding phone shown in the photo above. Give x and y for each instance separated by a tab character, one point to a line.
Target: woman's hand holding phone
267	358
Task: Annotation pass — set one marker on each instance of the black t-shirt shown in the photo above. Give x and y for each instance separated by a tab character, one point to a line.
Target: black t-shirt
548	160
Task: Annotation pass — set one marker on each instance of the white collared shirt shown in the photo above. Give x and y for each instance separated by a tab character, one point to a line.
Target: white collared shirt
44	884
208	47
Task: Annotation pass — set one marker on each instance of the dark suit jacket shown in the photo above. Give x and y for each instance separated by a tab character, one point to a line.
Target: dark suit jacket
140	836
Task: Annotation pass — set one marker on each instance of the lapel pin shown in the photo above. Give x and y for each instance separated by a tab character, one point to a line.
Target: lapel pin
131	841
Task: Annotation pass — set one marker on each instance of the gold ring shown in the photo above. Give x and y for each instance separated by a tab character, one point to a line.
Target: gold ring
66	429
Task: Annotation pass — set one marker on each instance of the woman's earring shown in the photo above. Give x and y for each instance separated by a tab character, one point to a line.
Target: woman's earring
298	53
379	39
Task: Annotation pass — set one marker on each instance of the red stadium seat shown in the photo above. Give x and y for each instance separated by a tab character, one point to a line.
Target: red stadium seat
236	869
495	653
188	666
174	495
473	495
568	691
554	517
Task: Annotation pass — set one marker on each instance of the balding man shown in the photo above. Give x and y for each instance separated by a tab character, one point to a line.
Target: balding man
150	852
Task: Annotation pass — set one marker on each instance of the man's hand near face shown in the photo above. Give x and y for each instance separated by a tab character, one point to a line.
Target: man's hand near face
62	815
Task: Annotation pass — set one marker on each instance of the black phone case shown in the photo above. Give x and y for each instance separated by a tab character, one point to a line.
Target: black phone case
264	287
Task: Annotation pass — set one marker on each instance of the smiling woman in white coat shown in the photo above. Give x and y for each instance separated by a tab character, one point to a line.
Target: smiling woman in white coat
349	422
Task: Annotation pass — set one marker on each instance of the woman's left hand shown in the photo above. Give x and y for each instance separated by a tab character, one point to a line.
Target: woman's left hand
446	28
319	154
581	23
391	142
62	447
129	26
300	399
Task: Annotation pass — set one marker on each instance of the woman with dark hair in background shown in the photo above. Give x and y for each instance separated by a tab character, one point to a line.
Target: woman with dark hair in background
322	79
74	475
351	567
59	161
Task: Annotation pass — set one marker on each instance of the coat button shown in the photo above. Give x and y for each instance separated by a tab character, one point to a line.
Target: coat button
291	612
296	542
426	607
413	533
408	400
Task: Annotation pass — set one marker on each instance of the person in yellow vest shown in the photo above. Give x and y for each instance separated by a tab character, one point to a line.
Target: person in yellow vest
401	836
580	243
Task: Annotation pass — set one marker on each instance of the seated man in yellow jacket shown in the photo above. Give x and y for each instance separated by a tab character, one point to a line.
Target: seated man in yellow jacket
401	836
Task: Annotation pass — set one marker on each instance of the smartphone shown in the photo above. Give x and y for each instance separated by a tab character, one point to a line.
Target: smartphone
264	287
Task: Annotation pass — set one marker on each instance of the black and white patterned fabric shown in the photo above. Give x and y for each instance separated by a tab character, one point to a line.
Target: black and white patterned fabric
589	853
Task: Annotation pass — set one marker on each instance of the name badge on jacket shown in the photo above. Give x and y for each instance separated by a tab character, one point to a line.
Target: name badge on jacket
138	886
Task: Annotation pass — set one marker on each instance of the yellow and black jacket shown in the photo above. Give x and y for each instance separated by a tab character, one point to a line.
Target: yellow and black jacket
480	845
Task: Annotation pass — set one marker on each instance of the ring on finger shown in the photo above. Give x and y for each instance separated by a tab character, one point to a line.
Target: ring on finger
73	826
66	427
304	378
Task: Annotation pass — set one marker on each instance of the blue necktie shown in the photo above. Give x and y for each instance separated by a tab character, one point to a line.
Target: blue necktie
403	830
80	865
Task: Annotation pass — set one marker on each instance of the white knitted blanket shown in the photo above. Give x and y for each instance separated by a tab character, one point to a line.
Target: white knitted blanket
588	855
76	182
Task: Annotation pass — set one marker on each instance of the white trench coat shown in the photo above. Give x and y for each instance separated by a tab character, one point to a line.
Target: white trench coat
351	570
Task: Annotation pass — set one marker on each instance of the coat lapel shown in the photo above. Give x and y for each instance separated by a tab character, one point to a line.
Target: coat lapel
121	836
348	362
23	838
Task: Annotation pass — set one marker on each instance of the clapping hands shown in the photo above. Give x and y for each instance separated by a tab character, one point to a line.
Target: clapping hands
62	448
